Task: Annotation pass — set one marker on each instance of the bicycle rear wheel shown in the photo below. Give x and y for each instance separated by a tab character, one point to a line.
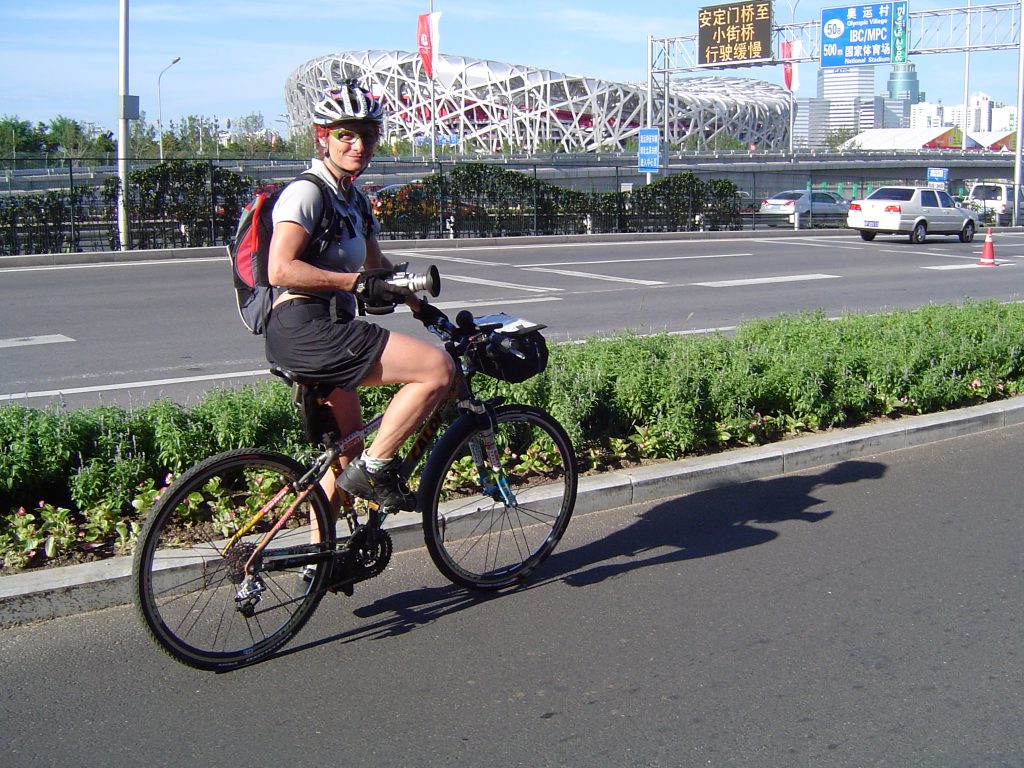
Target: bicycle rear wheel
477	535
187	582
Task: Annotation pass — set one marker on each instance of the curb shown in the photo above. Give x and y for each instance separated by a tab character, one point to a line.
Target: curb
49	594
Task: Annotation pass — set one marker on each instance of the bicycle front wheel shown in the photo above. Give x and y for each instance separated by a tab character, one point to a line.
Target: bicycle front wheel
190	585
487	529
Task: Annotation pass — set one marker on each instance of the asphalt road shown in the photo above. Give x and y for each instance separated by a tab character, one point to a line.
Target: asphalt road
866	614
104	333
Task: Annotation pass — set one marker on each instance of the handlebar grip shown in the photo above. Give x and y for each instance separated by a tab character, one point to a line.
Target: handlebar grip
409	282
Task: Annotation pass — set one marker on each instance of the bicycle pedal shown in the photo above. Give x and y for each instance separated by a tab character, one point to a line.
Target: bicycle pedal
347	588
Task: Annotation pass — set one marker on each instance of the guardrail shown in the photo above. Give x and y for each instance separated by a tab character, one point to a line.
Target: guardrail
78	213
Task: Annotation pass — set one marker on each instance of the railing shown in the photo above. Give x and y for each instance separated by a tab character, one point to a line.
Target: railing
197	203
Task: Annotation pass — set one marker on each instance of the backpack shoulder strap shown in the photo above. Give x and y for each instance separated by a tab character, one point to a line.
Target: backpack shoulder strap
363	203
327	228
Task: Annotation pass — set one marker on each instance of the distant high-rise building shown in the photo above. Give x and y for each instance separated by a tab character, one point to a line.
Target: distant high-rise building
927	115
850	94
846	83
903	83
1004	118
810	129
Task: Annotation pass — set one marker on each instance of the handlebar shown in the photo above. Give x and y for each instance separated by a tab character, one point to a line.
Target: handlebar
406	283
464	333
458	336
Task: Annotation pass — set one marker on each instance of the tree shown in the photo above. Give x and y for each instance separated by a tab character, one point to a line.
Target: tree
17	136
67	137
252	135
142	139
834	138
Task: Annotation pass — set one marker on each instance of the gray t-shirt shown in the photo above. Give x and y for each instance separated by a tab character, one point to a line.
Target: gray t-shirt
301	202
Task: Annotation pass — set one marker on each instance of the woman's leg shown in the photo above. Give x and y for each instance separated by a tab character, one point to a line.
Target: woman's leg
345	409
425	371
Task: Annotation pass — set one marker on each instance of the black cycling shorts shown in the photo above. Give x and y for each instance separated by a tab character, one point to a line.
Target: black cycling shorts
302	337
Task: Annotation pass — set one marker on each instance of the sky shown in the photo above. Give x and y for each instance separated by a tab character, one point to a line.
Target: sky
61	57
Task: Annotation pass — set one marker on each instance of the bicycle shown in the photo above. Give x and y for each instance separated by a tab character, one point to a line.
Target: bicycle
235	556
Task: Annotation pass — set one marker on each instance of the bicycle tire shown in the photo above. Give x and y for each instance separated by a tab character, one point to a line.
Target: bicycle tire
185	589
475	539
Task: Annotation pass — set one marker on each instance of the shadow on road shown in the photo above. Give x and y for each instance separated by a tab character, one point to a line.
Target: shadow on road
698	525
705	524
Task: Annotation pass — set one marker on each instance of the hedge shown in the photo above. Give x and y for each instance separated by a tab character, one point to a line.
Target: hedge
76	482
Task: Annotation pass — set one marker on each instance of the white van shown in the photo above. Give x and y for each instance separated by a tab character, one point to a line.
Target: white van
994	196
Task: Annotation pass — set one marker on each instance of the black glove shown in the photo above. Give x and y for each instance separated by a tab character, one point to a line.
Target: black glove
372	288
428	314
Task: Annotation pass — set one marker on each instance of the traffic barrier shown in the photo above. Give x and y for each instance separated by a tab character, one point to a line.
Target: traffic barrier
988	252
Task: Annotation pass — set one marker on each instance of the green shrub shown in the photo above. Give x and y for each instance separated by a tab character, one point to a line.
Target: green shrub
76	480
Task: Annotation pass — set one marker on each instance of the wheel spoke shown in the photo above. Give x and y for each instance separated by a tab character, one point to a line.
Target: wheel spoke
492	545
187	582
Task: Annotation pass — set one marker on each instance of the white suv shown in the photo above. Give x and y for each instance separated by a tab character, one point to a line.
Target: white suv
996	197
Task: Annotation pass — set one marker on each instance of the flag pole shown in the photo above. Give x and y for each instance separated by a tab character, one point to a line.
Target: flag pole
433	103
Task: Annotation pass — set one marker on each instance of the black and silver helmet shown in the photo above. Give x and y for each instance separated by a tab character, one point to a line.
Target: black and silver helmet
349	101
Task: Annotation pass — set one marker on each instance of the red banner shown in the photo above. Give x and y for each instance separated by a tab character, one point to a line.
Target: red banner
426	40
789	50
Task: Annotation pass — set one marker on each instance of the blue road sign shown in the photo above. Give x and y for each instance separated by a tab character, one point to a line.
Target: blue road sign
938	175
648	156
877	33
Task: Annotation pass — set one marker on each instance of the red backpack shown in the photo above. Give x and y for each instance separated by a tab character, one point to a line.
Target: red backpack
249	250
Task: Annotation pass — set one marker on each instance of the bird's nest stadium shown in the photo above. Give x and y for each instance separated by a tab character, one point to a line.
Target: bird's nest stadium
490	106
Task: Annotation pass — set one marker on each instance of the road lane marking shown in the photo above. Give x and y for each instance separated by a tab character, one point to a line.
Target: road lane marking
105	264
947	267
30	341
764	280
454	259
641	260
134	384
799	241
591	276
498	284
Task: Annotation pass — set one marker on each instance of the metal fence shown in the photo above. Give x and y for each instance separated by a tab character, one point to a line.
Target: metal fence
71	206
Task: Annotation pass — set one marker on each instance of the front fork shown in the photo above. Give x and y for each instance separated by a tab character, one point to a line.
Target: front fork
484	448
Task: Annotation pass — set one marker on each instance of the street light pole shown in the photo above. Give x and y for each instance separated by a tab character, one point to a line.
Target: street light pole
159	107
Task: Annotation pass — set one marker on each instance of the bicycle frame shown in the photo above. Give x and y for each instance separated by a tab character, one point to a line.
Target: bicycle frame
460	394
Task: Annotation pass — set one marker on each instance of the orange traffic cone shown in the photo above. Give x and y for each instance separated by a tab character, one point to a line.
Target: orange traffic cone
988	252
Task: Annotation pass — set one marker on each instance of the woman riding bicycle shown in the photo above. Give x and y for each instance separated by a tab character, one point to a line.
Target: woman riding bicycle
312	329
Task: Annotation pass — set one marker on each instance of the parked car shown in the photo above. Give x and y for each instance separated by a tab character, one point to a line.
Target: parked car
996	197
746	202
805	203
915	211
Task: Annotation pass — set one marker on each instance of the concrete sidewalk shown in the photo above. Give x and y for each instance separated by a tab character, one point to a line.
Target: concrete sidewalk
50	593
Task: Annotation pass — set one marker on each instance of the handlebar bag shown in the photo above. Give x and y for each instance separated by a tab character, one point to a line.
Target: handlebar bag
502	363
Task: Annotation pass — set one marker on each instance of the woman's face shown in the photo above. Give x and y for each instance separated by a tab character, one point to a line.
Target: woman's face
351	145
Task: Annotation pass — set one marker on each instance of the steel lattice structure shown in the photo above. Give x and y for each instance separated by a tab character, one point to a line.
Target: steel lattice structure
491	105
983	27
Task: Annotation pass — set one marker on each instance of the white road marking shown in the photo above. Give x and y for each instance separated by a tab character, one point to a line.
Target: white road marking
29	341
801	241
498	284
634	261
454	259
103	265
947	267
763	280
488	302
134	384
572	273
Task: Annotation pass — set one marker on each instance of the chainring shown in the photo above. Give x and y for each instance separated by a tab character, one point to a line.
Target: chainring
365	560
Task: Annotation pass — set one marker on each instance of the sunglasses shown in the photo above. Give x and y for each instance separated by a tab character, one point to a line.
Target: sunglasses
348	136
